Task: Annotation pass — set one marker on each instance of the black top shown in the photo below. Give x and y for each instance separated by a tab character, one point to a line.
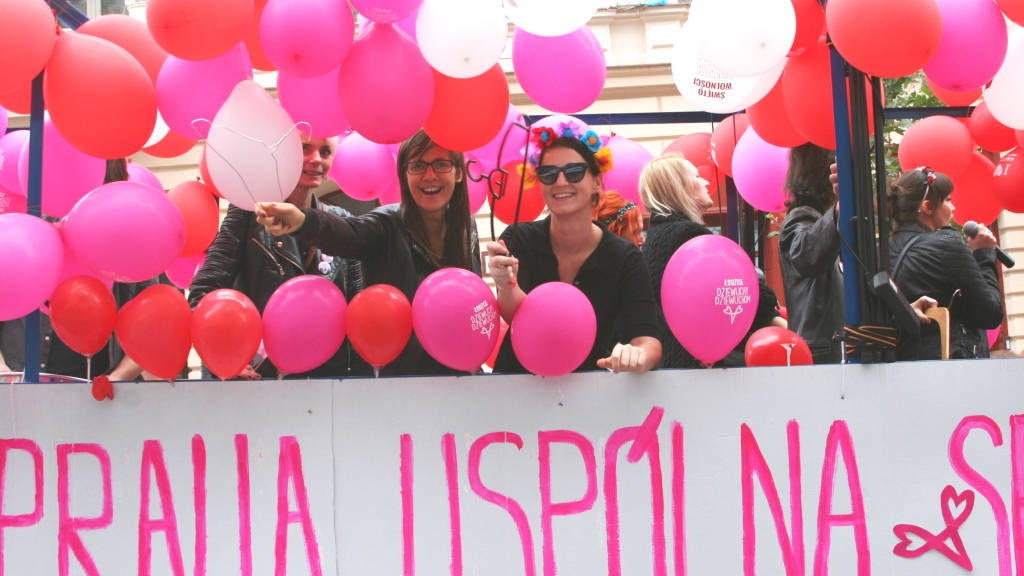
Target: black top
614	278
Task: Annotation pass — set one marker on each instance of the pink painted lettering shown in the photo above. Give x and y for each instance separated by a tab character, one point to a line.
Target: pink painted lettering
244	505
839	440
290	470
611	494
678	500
754	463
548	508
408	518
1017	462
647	434
199	493
504	502
153	463
68	539
980	484
33	517
451	471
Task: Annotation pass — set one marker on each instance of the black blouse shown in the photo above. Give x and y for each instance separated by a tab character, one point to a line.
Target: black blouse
614	278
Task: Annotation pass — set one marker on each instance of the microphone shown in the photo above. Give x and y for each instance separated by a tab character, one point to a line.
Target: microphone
971	230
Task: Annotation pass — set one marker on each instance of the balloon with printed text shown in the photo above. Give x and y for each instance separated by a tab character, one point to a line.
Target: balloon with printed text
775	346
455	316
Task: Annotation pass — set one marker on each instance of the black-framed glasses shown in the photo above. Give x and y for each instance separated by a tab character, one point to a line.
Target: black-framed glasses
439	167
574	172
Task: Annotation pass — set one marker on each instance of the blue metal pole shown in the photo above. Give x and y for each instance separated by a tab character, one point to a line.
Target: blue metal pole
35	188
844	160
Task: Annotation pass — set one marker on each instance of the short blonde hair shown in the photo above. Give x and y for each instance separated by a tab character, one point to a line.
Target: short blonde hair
666	187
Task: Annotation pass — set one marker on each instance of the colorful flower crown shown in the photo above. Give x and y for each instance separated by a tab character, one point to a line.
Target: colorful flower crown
544	137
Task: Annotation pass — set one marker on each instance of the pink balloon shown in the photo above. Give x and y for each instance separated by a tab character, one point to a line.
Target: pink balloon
386	86
554	329
974	42
10	155
455	316
306	38
560	123
362	169
628	160
392	195
561	73
72	267
12	203
477	189
304	323
993	336
759	169
32	251
68	174
126	232
187	90
709	295
386	11
514	142
142	175
315	101
184	269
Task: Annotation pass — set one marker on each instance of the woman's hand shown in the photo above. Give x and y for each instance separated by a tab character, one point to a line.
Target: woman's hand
279	218
504	268
920	305
984	239
248	373
625	358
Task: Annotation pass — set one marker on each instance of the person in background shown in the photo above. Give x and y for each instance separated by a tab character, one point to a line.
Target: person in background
677	198
623	218
400	244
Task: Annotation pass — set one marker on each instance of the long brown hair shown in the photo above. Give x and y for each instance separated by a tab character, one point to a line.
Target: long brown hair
117	171
807	179
458	236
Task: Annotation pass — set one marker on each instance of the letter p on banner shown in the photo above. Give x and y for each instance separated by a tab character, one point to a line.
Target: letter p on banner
20	520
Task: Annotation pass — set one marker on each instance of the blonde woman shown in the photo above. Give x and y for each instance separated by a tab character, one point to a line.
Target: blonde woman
677	198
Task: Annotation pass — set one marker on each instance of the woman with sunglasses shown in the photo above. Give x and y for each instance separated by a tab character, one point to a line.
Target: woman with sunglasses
568	246
400	244
930	259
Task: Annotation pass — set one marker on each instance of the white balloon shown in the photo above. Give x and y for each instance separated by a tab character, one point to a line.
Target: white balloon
765	83
550	17
255	150
744	37
1004	96
160	130
701	84
461	38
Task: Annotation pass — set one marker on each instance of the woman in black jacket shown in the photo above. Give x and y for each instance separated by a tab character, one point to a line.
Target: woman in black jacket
929	258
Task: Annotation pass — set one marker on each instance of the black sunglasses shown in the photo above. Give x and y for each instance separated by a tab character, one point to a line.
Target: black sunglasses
439	166
574	172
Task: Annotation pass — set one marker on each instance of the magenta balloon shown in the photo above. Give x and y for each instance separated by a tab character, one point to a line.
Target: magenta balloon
315	101
974	41
72	267
386	86
304	323
306	38
30	266
517	138
759	169
709	295
628	160
11	146
554	329
13	203
455	316
362	169
187	90
184	269
386	11
125	232
68	174
561	73
993	336
477	189
142	175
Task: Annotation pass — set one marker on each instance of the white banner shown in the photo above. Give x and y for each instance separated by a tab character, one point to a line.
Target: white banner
887	469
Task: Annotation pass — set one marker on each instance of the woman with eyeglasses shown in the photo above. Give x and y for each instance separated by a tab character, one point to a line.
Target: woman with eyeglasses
568	246
400	244
930	259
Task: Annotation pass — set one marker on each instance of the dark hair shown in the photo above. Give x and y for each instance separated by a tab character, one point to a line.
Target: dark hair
583	150
807	180
908	194
117	171
458	220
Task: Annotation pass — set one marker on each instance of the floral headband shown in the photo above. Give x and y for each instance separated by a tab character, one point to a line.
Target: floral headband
542	138
622	212
929	175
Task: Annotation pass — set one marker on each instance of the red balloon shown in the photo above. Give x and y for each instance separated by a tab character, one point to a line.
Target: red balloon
769	118
202	216
504	208
941	143
990	134
252	39
198	29
27	33
774	346
950	98
468	112
810	26
227	331
696	148
974	193
501	338
1012	9
19	100
130	34
204	173
857	26
82	312
100	98
1020	137
724	139
171	146
379	322
155	330
1009	182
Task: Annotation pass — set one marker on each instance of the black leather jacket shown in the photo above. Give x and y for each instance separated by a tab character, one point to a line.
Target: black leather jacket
940	265
244	256
809	253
